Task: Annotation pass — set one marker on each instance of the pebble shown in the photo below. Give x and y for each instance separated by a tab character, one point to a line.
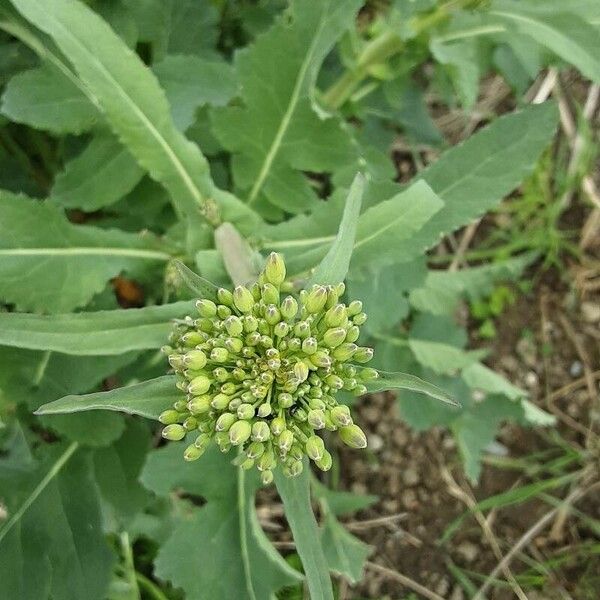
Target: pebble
590	311
375	442
457	593
442	587
400	437
576	369
468	551
531	379
410	476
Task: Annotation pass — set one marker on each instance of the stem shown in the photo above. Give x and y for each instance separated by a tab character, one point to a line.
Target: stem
386	45
241	489
50	475
150	587
129	565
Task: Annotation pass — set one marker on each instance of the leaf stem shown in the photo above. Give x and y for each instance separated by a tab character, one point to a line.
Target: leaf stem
150	587
50	475
129	565
241	489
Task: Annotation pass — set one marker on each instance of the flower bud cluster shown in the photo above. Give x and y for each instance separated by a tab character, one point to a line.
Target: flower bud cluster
260	370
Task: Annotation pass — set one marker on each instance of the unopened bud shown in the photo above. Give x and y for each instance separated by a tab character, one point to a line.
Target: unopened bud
225	297
206	308
277	426
194	359
285	440
353	436
255	449
199	385
219	355
363	354
266	477
192	452
239	432
314	447
234	326
264	410
310	345
334	337
315	300
316	418
289	307
243	299
225	421
335	316
354	307
174	432
261	431
275	269
340	416
345	351
220	401
168	417
245	411
325	462
199	404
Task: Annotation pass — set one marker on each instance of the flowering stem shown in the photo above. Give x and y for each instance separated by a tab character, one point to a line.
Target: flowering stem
241	489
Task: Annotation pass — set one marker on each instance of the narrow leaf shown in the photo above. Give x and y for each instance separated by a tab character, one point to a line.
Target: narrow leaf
295	493
334	267
406	381
200	286
92	333
237	255
147	399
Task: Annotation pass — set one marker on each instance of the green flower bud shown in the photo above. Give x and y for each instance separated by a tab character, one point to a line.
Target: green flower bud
192	453
252	339
335	316
345	351
266	477
245	411
243	299
261	431
301	371
295	468
332	296
239	432
176	361
359	319
281	329
277	426
225	421
223	312
190	424
314	447
222	440
194	338
320	359
266	341
316	418
205	325
340	416
285	440
264	410
255	449
325	462
250	323
194	359
270	294
289	308
221	374
174	432
368	374
272	315
266	462
169	416
285	400
219	355
275	269
199	385
310	345
359	390
302	329
300	415
206	308
334	337
353	436
234	326
225	297
363	354
247	464
202	441
315	299
180	406
220	401
352	334
337	383
354	307
229	388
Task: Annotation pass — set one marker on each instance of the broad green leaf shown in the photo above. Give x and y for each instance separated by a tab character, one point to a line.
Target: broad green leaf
227	554
340	502
277	133
133	103
334	266
406	381
441	357
94	333
49	264
344	553
45	98
569	36
52	544
147	399
191	82
193	27
480	377
442	289
198	285
475	175
295	493
102	174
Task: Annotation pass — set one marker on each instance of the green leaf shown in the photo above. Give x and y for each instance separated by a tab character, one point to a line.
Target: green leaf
45	98
295	493
191	82
334	267
198	285
102	174
475	175
226	553
240	261
49	264
52	545
480	377
566	34
277	134
147	399
344	553
193	27
94	333
406	381
340	502
133	103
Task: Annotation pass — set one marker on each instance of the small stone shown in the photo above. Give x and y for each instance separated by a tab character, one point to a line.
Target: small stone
531	379
468	551
590	311
375	442
442	587
457	593
576	369
411	476
400	437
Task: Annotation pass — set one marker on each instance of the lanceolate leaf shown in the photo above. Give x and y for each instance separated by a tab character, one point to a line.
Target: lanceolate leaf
567	35
46	99
295	493
92	333
200	286
133	103
102	174
226	553
406	381
278	134
334	267
49	264
147	399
